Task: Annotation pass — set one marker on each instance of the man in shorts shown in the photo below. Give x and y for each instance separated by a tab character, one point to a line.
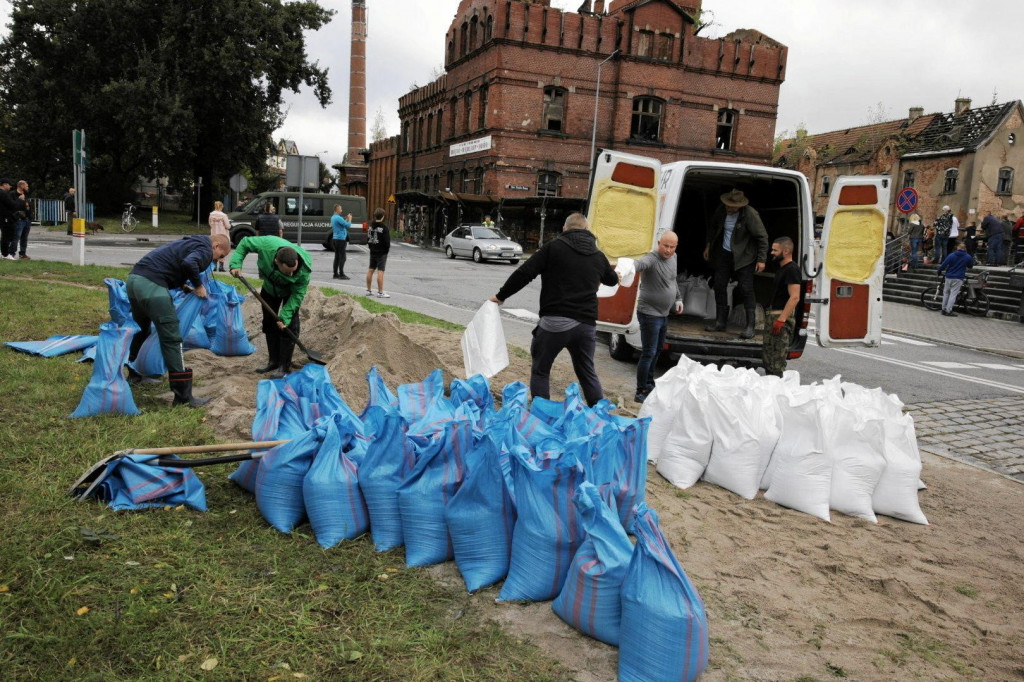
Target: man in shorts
378	239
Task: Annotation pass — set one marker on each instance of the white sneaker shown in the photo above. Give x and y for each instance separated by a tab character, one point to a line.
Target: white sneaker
383	294
10	258
369	293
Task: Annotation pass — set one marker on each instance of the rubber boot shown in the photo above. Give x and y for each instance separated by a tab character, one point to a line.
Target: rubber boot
136	379
748	331
721	320
287	350
181	387
273	353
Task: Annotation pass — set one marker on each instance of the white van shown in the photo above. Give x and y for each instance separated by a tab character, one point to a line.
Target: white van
634	200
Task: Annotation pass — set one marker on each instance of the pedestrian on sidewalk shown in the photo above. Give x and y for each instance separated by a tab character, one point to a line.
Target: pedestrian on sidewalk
378	240
69	207
992	228
8	206
916	235
22	221
659	295
571	268
339	240
219	224
955	269
267	222
943	232
780	323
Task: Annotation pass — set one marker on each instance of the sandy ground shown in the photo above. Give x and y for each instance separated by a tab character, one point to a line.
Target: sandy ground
788	596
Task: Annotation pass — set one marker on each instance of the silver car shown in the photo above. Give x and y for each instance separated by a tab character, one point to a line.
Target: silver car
481	243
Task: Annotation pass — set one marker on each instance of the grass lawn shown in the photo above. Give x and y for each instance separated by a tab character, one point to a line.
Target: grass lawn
91	594
169	223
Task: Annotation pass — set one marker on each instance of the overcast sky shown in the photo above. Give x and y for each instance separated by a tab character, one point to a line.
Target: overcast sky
847	58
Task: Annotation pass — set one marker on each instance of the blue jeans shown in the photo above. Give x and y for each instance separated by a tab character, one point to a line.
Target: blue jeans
995	251
941	249
915	250
580	341
652	338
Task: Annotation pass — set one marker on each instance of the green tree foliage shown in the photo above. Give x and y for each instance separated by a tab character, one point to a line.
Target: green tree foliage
182	90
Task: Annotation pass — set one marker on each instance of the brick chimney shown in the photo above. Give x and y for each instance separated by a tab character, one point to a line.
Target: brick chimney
961	105
357	85
599	7
916	113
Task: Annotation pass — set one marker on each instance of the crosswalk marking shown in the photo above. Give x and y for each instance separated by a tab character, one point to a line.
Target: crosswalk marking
1010	368
904	339
947	365
522	314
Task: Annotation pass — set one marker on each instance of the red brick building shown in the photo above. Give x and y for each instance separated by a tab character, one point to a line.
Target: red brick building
508	129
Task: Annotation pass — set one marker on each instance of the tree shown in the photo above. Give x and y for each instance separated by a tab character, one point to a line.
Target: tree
183	90
378	131
878	114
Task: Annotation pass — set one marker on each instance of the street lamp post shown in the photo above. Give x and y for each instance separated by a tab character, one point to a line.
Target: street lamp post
597	97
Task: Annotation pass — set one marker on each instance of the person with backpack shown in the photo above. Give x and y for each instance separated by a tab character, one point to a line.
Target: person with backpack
378	239
944	229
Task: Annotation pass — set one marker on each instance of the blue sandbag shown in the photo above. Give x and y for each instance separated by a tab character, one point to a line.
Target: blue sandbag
547	531
225	325
55	345
415	399
279	480
617	463
108	391
591	600
380	394
150	361
89	354
475	389
330	490
480	519
664	629
389	458
120	306
424	494
136	482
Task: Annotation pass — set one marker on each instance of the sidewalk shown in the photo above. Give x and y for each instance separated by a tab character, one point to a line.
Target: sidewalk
977	333
105	238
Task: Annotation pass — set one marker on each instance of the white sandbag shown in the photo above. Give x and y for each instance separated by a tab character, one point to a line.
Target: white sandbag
767	422
483	343
662	406
687	447
625	268
711	309
896	493
802	472
695	300
854	442
735	449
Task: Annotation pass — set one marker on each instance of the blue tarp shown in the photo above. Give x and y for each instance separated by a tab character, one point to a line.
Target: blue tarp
55	345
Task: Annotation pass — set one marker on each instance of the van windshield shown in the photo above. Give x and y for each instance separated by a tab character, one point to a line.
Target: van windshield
254	205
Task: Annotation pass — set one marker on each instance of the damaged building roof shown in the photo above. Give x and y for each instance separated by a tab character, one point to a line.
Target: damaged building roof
852	145
954	133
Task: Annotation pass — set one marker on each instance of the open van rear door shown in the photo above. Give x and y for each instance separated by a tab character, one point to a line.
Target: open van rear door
849	282
623	212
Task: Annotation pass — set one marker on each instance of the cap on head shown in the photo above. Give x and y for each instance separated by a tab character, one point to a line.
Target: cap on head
945	208
5	181
735	199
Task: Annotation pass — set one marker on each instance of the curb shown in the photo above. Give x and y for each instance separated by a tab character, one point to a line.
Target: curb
971	462
921	337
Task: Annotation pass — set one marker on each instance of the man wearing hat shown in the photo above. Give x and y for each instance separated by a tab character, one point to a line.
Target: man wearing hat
916	235
737	245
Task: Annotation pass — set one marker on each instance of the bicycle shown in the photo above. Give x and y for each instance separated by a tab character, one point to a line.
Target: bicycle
972	298
128	220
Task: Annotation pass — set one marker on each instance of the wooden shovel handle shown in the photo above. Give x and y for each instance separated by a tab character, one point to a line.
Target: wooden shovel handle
196	449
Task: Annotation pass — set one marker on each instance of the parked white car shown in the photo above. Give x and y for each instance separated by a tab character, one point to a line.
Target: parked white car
481	243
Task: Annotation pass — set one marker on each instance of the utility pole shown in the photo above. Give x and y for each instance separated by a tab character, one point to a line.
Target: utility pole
593	134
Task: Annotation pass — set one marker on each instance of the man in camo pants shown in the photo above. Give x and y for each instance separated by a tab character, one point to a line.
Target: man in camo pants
779	323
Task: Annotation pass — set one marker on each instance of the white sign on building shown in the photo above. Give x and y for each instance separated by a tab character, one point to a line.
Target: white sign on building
481	144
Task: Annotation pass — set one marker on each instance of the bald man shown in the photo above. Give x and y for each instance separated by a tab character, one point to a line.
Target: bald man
659	296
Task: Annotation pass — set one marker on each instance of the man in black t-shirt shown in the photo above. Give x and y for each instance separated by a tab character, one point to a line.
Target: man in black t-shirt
779	323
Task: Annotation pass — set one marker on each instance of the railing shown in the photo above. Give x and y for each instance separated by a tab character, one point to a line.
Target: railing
897	251
53	211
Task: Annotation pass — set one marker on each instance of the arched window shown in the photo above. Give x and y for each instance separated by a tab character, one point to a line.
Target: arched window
464	39
406	128
478	181
427	142
481	119
547	184
472	33
464	182
646	122
725	132
468	104
1005	183
419	134
949	186
451	50
439	136
449	180
909	178
489	28
826	185
453	114
554	108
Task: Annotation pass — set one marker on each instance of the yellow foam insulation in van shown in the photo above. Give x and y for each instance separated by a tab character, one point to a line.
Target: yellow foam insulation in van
855	243
623	219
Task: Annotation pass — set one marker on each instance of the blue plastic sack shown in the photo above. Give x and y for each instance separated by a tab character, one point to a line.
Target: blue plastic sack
150	361
475	389
89	354
547	531
196	336
120	306
330	490
664	628
480	518
424	494
135	482
55	345
415	399
279	479
591	600
108	391
380	394
389	458
617	463
225	325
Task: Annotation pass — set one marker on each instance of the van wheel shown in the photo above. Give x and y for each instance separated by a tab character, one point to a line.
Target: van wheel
239	235
477	256
448	252
513	261
619	349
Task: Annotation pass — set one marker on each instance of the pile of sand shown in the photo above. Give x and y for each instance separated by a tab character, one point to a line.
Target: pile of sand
787	594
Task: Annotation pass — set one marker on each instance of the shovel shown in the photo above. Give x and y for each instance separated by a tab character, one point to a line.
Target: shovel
97	473
311	354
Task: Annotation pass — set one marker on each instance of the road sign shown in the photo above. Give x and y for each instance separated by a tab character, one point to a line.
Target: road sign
238	183
906	200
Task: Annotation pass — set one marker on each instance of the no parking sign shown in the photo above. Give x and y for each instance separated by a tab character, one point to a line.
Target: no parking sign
906	200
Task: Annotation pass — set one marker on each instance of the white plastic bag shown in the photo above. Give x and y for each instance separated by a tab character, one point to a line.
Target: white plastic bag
483	343
695	300
625	268
801	475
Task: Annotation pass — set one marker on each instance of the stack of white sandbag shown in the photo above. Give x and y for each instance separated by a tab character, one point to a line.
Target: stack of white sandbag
827	446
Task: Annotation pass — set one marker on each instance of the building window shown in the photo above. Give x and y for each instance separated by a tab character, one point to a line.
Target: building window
472	34
449	180
405	183
481	118
1005	184
826	185
454	109
663	46
949	187
464	39
554	108
547	184
646	124
467	188
1012	138
440	130
909	178
725	132
478	181
427	142
419	134
644	41
488	29
405	137
468	111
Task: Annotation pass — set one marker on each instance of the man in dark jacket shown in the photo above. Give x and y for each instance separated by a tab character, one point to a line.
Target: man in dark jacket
69	207
737	244
993	229
378	239
8	206
267	222
171	266
570	267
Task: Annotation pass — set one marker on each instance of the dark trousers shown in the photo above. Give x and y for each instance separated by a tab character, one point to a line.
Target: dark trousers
995	251
915	250
279	344
724	271
580	341
7	239
652	337
152	304
340	256
21	230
